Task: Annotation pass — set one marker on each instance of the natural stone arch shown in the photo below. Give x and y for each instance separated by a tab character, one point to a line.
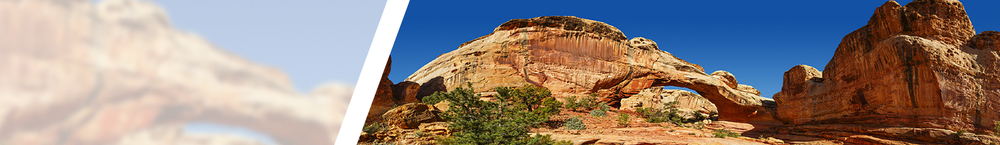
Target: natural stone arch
575	56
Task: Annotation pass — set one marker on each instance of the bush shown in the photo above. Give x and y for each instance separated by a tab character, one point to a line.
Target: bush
996	128
551	106
373	128
505	121
571	103
623	119
604	106
722	133
598	113
589	102
668	113
574	123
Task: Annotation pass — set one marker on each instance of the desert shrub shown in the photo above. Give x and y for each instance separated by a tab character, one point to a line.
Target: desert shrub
722	133
574	123
668	113
698	116
623	119
589	102
571	103
996	128
505	121
373	128
699	125
598	113
604	106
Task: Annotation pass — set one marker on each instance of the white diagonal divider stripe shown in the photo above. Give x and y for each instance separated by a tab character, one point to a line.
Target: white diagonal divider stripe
378	54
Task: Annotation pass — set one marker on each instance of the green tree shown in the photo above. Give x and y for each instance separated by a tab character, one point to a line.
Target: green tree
505	121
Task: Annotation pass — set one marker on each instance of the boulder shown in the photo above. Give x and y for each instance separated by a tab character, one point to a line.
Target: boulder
656	97
406	92
726	77
410	116
443	105
575	56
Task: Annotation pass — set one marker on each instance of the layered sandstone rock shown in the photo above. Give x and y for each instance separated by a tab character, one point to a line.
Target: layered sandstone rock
384	98
406	92
410	116
574	56
918	65
655	97
116	72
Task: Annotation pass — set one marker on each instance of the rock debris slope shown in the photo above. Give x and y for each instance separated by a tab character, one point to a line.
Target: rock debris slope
575	56
116	72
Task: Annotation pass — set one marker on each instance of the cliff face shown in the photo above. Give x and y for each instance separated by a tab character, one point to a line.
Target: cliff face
77	72
919	65
574	56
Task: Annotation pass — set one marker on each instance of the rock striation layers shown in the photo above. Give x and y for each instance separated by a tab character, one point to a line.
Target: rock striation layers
655	97
574	56
919	65
116	72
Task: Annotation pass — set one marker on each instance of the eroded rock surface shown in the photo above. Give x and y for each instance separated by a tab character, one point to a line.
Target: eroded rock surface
384	98
116	72
574	56
409	116
918	66
655	97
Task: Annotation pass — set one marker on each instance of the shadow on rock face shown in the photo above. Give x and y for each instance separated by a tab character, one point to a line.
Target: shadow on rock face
434	85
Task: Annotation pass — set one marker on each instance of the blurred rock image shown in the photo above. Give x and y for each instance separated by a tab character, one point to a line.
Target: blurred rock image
79	72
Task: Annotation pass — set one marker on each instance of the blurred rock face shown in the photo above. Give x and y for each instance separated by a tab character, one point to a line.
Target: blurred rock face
77	72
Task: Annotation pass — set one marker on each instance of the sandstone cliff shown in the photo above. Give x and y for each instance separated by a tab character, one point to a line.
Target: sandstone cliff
116	72
574	56
919	65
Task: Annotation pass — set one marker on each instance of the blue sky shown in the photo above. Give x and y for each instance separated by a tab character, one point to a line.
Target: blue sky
313	41
755	40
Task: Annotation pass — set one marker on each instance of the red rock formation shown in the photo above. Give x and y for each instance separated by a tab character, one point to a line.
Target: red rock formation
406	92
574	56
410	116
384	99
917	65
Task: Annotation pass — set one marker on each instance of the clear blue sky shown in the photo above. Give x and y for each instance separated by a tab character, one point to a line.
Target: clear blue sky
313	41
755	40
